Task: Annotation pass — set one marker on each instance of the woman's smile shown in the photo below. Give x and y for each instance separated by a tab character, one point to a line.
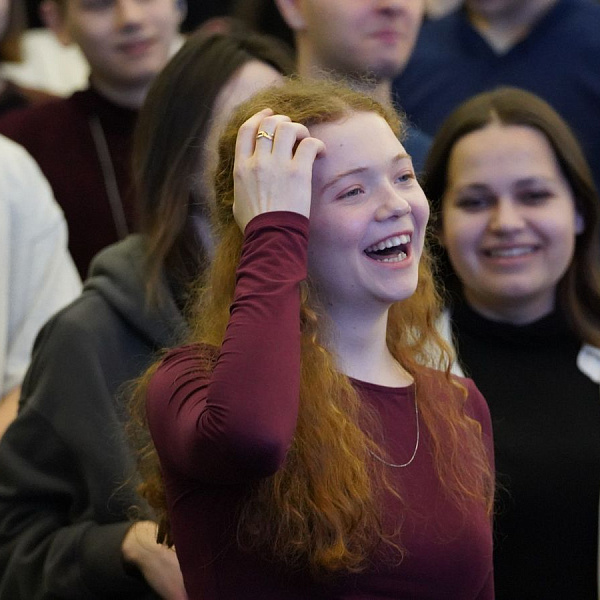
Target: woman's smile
393	249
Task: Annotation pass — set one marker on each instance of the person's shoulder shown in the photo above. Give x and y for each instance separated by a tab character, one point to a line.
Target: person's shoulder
581	9
24	125
9	148
588	362
33	114
476	405
23	186
81	322
35	96
85	345
440	42
581	26
89	328
15	160
190	362
195	356
575	23
435	30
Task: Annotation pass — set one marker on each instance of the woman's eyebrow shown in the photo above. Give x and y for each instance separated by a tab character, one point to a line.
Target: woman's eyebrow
339	176
400	156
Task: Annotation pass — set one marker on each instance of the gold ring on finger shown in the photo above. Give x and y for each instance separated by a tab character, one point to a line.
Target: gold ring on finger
264	134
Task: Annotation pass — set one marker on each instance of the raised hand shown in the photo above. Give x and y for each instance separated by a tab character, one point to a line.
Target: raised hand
273	166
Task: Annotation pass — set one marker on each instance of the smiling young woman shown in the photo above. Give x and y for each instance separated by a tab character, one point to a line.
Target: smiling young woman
517	216
305	449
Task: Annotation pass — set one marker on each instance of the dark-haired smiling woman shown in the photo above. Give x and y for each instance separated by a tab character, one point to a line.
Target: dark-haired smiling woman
517	215
305	450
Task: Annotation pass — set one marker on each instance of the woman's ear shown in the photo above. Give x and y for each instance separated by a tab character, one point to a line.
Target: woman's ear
291	13
54	17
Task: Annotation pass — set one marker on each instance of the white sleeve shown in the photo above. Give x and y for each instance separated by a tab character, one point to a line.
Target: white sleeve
37	274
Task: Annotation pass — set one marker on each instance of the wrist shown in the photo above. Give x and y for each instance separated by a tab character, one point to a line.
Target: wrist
132	547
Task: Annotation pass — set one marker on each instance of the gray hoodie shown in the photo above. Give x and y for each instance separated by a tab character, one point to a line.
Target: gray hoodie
66	471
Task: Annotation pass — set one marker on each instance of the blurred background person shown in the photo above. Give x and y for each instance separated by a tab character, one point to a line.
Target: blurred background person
37	275
66	485
197	13
548	47
83	143
12	27
517	216
365	44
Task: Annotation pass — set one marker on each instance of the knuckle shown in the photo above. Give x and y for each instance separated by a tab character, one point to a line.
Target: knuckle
297	173
238	171
256	168
246	127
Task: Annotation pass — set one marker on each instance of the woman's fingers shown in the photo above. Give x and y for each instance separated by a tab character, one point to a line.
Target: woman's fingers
246	138
276	175
268	131
307	151
265	133
287	137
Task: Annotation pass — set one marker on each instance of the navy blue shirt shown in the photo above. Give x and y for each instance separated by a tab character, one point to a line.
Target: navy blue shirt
417	144
559	61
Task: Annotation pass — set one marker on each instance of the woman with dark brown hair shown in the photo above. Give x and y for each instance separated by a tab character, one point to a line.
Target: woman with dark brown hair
517	216
66	487
305	449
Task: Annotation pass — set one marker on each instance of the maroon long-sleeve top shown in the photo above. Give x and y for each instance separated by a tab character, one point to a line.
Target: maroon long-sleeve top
218	430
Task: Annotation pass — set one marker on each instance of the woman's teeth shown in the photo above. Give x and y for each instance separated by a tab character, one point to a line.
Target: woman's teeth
398	258
390	250
396	240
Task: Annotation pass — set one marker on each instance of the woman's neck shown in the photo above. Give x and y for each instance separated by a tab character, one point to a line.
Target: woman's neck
359	344
514	312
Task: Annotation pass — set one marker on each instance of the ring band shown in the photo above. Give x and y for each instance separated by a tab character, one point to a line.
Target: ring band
264	134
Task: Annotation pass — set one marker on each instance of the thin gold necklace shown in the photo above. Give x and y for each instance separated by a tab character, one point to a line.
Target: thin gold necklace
400	466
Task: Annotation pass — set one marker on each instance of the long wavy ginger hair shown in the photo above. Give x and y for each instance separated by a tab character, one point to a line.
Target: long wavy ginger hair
322	509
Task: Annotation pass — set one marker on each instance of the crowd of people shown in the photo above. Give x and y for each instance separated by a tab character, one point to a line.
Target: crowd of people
302	301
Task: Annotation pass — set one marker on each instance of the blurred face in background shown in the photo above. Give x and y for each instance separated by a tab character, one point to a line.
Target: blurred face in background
248	79
244	83
509	221
356	37
126	42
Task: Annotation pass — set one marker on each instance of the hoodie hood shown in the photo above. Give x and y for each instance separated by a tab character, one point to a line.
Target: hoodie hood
117	274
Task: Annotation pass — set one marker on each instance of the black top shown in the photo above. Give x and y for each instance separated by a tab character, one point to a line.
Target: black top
546	422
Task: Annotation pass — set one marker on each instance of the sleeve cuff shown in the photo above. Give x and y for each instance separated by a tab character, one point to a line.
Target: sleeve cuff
278	218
